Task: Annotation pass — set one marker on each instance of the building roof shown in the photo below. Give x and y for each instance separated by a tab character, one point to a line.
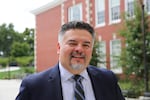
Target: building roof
47	7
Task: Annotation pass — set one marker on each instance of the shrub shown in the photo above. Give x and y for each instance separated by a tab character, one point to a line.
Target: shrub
132	87
3	62
24	61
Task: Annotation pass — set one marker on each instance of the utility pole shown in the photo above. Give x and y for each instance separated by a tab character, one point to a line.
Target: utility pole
146	93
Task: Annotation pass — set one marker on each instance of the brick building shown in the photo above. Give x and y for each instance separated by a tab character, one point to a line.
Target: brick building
103	15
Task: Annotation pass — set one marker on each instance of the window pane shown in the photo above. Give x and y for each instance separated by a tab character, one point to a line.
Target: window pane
100	17
102	50
115	3
100	11
100	4
130	8
148	5
115	54
75	12
114	10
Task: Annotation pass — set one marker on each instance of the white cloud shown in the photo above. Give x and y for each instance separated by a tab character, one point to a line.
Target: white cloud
18	12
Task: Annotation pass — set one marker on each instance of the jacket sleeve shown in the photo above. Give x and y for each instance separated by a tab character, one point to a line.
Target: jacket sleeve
117	89
24	91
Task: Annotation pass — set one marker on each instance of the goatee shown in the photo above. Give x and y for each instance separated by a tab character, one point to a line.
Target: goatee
77	66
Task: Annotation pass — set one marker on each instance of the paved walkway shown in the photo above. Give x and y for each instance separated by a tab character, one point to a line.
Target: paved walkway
9	89
9	69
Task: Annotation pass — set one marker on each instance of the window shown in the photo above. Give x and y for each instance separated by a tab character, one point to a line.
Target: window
102	50
147	6
100	12
115	51
75	12
129	8
114	6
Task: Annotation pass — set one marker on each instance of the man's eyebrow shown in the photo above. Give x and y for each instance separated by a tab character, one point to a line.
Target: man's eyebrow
72	41
87	42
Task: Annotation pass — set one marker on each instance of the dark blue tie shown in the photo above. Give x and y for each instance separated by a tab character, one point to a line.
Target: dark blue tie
78	89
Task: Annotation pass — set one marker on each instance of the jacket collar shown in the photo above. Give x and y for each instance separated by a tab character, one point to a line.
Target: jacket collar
54	79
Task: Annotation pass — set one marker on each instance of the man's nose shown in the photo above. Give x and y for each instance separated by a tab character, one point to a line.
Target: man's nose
79	48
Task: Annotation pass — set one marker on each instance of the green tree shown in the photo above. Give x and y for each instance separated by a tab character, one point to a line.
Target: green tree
97	55
17	48
20	49
132	55
28	37
7	36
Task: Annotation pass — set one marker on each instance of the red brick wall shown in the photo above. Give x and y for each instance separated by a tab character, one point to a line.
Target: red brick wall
47	27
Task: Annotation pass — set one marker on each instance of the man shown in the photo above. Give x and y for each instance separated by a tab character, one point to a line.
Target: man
72	77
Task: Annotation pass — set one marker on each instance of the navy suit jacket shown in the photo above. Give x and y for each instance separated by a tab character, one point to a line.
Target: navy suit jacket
46	85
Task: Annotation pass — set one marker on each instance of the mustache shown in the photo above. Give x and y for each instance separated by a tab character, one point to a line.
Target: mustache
78	54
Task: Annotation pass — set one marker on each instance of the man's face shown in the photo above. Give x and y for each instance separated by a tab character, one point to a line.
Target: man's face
75	50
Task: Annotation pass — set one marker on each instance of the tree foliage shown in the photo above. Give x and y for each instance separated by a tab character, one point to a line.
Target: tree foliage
97	55
13	42
7	36
28	37
132	55
20	49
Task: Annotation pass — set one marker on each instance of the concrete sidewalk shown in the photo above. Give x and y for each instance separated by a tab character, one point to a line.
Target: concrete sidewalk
9	69
9	89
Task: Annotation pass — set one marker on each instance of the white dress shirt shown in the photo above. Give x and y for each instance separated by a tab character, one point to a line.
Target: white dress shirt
68	83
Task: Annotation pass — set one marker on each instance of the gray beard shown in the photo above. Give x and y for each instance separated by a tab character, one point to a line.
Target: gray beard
77	66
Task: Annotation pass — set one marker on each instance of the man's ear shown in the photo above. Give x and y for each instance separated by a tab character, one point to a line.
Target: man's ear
58	48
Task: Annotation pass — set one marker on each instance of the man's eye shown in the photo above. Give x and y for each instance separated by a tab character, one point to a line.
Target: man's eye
86	45
72	44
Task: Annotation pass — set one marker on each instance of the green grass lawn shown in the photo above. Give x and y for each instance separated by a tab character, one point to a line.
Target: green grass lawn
17	73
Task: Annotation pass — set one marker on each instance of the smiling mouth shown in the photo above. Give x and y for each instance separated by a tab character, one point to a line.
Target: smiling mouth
78	57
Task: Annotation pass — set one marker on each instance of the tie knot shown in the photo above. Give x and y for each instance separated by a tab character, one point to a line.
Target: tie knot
77	77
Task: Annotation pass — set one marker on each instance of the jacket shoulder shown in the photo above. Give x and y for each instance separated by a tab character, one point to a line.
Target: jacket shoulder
102	73
40	77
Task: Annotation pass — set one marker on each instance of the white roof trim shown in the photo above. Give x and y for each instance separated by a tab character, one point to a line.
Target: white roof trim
47	7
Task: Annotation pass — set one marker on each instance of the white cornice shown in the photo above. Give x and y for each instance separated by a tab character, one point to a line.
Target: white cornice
46	7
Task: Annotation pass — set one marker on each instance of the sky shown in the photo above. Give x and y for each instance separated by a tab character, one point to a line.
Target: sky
18	12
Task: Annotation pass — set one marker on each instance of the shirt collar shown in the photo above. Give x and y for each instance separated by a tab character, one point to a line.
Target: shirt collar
66	75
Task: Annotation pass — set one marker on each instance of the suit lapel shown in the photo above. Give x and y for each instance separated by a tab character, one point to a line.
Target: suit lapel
55	82
96	84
